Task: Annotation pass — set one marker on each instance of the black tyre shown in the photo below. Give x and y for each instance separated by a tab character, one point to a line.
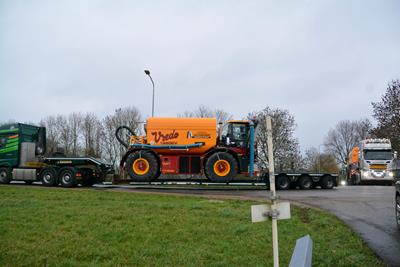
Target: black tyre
327	182
142	166
48	176
67	177
5	175
305	182
398	211
221	167
282	182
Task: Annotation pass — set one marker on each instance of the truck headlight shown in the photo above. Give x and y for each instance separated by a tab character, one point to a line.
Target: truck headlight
364	173
391	174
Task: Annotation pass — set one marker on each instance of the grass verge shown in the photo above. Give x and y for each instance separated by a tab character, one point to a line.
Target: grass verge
59	227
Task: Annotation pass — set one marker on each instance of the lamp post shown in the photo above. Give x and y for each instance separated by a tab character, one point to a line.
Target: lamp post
152	82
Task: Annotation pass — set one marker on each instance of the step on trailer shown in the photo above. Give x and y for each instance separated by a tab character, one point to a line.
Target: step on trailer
22	149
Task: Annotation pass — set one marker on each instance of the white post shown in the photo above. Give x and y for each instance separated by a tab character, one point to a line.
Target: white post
274	211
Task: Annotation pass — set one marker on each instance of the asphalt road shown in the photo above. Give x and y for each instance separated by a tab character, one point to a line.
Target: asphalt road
369	210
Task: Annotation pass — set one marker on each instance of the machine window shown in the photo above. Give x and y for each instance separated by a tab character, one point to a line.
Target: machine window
239	132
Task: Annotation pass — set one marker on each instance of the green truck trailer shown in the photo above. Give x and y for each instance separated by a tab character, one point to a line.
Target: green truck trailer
22	149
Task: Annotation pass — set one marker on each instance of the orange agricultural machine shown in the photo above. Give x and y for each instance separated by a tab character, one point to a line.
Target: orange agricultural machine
190	146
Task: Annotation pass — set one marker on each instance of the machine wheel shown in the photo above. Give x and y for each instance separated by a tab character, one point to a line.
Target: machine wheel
5	175
67	177
398	211
48	176
282	182
327	182
221	167
142	166
305	182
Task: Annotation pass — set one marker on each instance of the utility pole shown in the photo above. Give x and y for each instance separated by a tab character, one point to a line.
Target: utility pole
151	79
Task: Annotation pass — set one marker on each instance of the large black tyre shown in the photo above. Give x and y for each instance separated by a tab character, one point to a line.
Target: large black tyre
48	176
67	177
5	175
221	167
282	182
397	210
327	182
305	182
142	166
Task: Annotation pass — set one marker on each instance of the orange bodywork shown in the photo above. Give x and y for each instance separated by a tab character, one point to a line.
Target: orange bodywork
180	131
354	155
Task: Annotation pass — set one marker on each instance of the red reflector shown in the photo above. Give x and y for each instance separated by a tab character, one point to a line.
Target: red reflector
78	174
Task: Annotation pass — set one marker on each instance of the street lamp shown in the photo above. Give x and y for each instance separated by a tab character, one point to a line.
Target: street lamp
152	82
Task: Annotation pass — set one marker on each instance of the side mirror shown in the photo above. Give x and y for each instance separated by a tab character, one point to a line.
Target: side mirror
395	154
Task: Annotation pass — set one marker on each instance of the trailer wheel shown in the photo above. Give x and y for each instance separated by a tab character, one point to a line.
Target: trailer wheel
221	167
48	176
327	182
5	175
282	182
142	166
305	182
67	177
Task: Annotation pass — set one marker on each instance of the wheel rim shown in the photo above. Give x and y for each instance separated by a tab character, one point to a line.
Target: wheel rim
3	175
66	178
329	183
222	167
306	183
283	183
141	166
47	177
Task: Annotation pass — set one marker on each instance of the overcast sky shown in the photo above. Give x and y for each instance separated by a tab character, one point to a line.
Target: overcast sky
324	61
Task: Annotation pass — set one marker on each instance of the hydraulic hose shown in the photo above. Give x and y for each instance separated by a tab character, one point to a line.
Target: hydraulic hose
117	135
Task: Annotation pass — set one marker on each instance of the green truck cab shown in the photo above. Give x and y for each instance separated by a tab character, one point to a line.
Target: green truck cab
22	149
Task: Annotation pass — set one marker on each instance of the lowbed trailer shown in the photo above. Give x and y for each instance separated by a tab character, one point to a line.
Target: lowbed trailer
283	180
195	147
305	180
22	148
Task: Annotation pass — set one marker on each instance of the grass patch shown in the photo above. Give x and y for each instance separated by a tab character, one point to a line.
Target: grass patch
57	227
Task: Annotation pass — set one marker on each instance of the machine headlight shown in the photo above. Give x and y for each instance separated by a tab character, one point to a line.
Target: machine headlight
343	183
391	174
364	173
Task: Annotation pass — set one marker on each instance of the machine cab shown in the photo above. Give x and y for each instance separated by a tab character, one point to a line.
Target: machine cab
235	134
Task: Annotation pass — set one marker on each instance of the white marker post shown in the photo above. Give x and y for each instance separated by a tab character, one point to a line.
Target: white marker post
274	210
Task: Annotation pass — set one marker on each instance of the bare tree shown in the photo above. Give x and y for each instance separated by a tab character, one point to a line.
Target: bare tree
206	112
53	136
90	127
315	161
387	114
286	146
64	131
346	135
129	116
75	123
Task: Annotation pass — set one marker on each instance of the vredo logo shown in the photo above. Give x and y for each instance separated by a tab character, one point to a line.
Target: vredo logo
164	137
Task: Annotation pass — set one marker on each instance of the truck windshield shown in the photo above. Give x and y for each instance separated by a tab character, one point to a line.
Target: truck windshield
378	154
